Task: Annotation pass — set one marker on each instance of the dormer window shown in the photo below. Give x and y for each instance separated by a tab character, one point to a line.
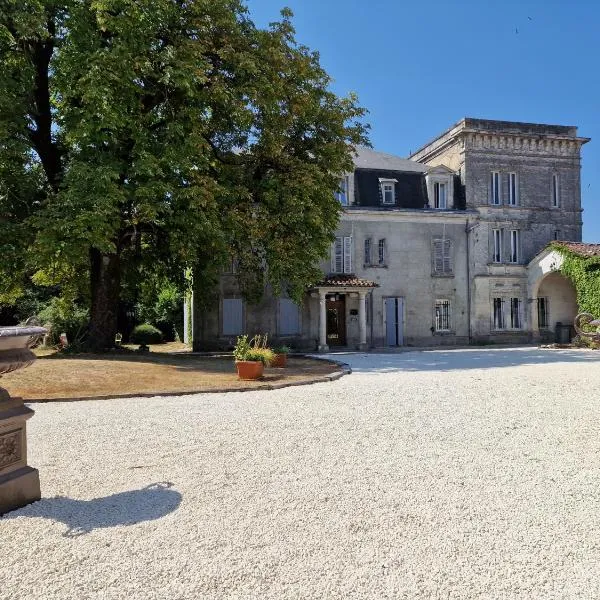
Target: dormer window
439	195
342	193
388	191
440	188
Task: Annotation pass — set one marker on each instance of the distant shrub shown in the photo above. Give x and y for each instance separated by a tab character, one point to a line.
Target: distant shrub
146	334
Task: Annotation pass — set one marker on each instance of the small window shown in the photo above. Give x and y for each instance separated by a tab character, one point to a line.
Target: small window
555	191
514	245
367	257
289	317
439	195
442	315
557	234
233	311
381	252
499	313
543	314
231	267
515	313
388	193
442	257
497	241
342	193
512	189
495	188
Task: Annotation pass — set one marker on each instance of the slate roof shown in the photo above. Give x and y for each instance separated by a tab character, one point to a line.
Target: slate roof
366	158
346	280
581	249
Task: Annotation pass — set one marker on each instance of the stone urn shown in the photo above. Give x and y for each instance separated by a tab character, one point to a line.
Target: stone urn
19	483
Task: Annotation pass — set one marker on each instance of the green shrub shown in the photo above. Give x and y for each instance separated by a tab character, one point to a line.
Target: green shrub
62	316
282	350
146	334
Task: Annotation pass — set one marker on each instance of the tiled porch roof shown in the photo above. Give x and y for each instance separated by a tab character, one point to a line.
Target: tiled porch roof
581	249
346	280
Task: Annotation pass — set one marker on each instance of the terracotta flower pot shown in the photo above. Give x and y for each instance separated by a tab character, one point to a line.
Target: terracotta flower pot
249	369
279	361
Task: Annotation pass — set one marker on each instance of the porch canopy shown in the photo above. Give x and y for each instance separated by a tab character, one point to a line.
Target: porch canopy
343	283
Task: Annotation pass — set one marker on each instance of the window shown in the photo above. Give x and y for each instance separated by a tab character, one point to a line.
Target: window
388	191
555	191
497	240
442	315
515	313
439	195
233	311
495	188
499	313
512	189
543	313
510	313
231	267
367	257
557	234
381	252
442	257
341	255
514	245
289	317
342	194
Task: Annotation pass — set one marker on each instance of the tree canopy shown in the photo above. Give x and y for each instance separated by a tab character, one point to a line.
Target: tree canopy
142	137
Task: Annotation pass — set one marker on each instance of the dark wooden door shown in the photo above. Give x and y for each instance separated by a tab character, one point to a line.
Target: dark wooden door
336	322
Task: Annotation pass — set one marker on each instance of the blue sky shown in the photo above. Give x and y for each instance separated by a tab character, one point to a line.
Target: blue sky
420	67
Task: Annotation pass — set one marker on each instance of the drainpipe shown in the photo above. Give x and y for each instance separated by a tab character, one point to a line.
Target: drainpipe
467	232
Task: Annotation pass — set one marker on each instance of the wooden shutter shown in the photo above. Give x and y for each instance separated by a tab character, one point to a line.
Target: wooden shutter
233	310
289	317
347	255
447	256
438	256
337	256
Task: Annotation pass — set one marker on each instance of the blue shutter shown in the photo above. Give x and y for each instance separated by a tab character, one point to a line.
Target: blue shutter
289	317
233	309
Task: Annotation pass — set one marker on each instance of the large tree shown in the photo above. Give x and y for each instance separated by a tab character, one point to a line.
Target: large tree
146	136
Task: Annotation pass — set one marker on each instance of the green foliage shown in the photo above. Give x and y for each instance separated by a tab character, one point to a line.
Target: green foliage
585	275
162	136
255	349
146	334
161	302
61	315
282	350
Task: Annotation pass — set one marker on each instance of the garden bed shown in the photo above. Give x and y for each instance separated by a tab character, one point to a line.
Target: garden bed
72	377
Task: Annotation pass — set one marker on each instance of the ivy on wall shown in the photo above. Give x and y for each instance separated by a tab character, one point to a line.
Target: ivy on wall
584	272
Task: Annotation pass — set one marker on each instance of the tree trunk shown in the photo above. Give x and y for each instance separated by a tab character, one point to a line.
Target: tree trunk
105	276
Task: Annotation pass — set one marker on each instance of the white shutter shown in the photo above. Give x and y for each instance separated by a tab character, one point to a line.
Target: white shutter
333	248
447	258
438	256
347	255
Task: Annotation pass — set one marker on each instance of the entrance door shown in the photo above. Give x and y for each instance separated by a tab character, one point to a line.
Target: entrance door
336	321
394	311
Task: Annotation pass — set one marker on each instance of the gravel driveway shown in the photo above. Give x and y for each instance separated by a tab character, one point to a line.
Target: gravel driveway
448	474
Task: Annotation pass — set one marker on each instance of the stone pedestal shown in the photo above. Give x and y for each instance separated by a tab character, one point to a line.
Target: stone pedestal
19	483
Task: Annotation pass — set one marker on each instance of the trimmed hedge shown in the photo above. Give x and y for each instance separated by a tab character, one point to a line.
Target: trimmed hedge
146	334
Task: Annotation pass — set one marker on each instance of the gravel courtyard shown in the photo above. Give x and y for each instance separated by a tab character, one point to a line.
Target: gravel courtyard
446	474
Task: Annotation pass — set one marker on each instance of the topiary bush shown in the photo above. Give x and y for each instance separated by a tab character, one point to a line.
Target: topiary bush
146	334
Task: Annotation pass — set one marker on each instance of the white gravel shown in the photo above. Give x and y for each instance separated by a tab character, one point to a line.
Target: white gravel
448	474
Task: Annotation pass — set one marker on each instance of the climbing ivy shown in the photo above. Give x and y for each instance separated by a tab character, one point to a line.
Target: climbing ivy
584	272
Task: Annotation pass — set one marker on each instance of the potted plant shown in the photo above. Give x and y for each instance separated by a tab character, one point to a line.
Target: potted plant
251	357
280	359
144	335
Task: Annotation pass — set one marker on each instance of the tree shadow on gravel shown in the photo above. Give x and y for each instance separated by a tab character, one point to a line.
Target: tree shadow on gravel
465	359
126	508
